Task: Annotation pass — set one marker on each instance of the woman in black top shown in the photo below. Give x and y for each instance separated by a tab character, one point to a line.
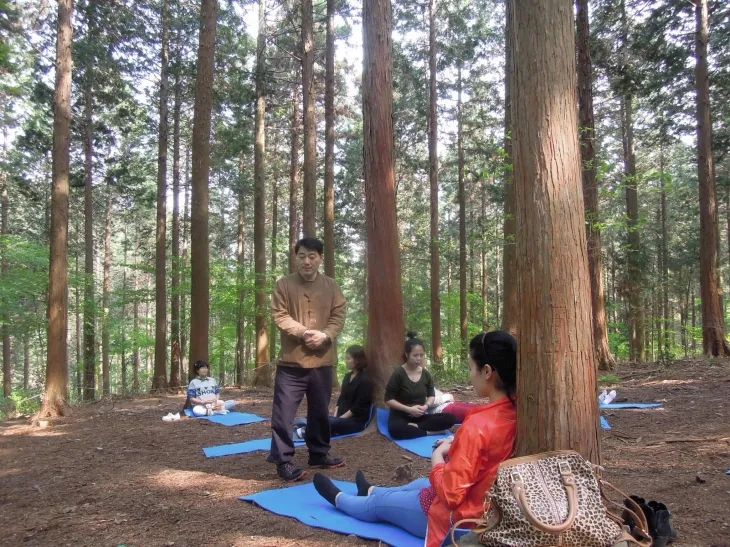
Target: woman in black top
409	394
356	396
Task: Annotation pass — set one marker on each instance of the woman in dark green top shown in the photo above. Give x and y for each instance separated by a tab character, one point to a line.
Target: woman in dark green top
409	394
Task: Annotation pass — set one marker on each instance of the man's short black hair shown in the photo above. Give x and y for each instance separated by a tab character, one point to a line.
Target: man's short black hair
311	243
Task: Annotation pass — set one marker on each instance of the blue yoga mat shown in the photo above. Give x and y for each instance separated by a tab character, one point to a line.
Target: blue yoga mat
617	406
230	419
423	446
605	425
308	507
260	445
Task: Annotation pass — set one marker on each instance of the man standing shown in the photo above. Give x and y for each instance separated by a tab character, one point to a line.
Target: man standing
309	310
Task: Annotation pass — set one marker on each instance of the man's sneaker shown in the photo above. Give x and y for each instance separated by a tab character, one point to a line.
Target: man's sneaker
325	462
290	472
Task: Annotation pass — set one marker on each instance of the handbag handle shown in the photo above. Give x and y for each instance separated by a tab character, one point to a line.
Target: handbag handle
518	491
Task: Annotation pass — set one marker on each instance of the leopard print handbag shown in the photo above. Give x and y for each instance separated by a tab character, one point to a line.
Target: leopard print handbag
545	500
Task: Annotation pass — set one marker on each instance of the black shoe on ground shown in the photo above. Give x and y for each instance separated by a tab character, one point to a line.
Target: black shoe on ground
665	534
325	462
290	472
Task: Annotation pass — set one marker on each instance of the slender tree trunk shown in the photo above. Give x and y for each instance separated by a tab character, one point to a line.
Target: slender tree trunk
259	223
484	263
309	209
274	234
175	281
433	177
200	280
135	318
556	409
604	358
240	260
665	262
124	316
693	306
159	377
4	231
463	320
56	388
714	343
183	267
89	300
294	180
510	303
329	153
26	362
385	300
79	355
106	296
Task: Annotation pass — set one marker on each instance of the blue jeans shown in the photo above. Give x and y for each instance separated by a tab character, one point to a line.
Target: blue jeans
400	506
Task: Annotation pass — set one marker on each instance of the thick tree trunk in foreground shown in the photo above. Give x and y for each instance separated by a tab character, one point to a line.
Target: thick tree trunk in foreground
309	210
329	149
437	348
509	255
386	327
557	382
590	188
259	224
199	248
714	343
159	376
56	389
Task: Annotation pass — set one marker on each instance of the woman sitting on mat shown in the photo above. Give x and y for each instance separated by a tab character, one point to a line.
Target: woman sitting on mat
203	392
454	490
410	393
356	396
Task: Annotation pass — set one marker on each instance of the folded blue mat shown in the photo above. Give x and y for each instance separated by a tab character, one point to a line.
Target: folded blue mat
605	425
308	507
423	446
230	419
260	445
617	406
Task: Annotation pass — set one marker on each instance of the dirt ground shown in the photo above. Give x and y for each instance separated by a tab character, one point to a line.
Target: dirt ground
112	473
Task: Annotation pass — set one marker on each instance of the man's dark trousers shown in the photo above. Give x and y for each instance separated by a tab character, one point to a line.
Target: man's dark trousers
290	386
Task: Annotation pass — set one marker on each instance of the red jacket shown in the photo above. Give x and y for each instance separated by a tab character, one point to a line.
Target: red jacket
485	439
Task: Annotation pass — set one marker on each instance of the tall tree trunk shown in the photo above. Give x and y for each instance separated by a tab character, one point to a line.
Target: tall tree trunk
665	262
199	251
463	321
309	209
274	234
175	281
184	264
604	358
329	149
26	362
7	369
509	255
89	301
240	256
385	300
79	355
484	263
106	296
433	177
714	343
294	180
259	223
159	377
556	409
135	317
56	388
124	316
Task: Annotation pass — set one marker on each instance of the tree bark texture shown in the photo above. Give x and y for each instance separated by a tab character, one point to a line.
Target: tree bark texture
509	254
106	297
135	317
296	123
463	319
556	364
604	358
259	224
714	343
240	256
159	376
56	388
437	348
7	368
386	327
329	150
125	383
175	281
309	208
274	234
199	244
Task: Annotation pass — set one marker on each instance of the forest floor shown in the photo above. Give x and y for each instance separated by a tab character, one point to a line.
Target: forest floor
113	473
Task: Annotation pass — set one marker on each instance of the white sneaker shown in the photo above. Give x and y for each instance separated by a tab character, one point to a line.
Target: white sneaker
602	397
174	417
169	417
610	397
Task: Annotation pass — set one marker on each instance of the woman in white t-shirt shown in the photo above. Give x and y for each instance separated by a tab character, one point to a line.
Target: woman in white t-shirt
203	392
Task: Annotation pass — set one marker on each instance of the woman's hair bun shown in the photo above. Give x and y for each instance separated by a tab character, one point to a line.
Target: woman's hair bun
411	334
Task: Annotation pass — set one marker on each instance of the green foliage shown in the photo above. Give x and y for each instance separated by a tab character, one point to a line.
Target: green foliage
22	402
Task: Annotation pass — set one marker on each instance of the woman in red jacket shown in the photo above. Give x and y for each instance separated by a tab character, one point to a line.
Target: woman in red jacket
463	470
